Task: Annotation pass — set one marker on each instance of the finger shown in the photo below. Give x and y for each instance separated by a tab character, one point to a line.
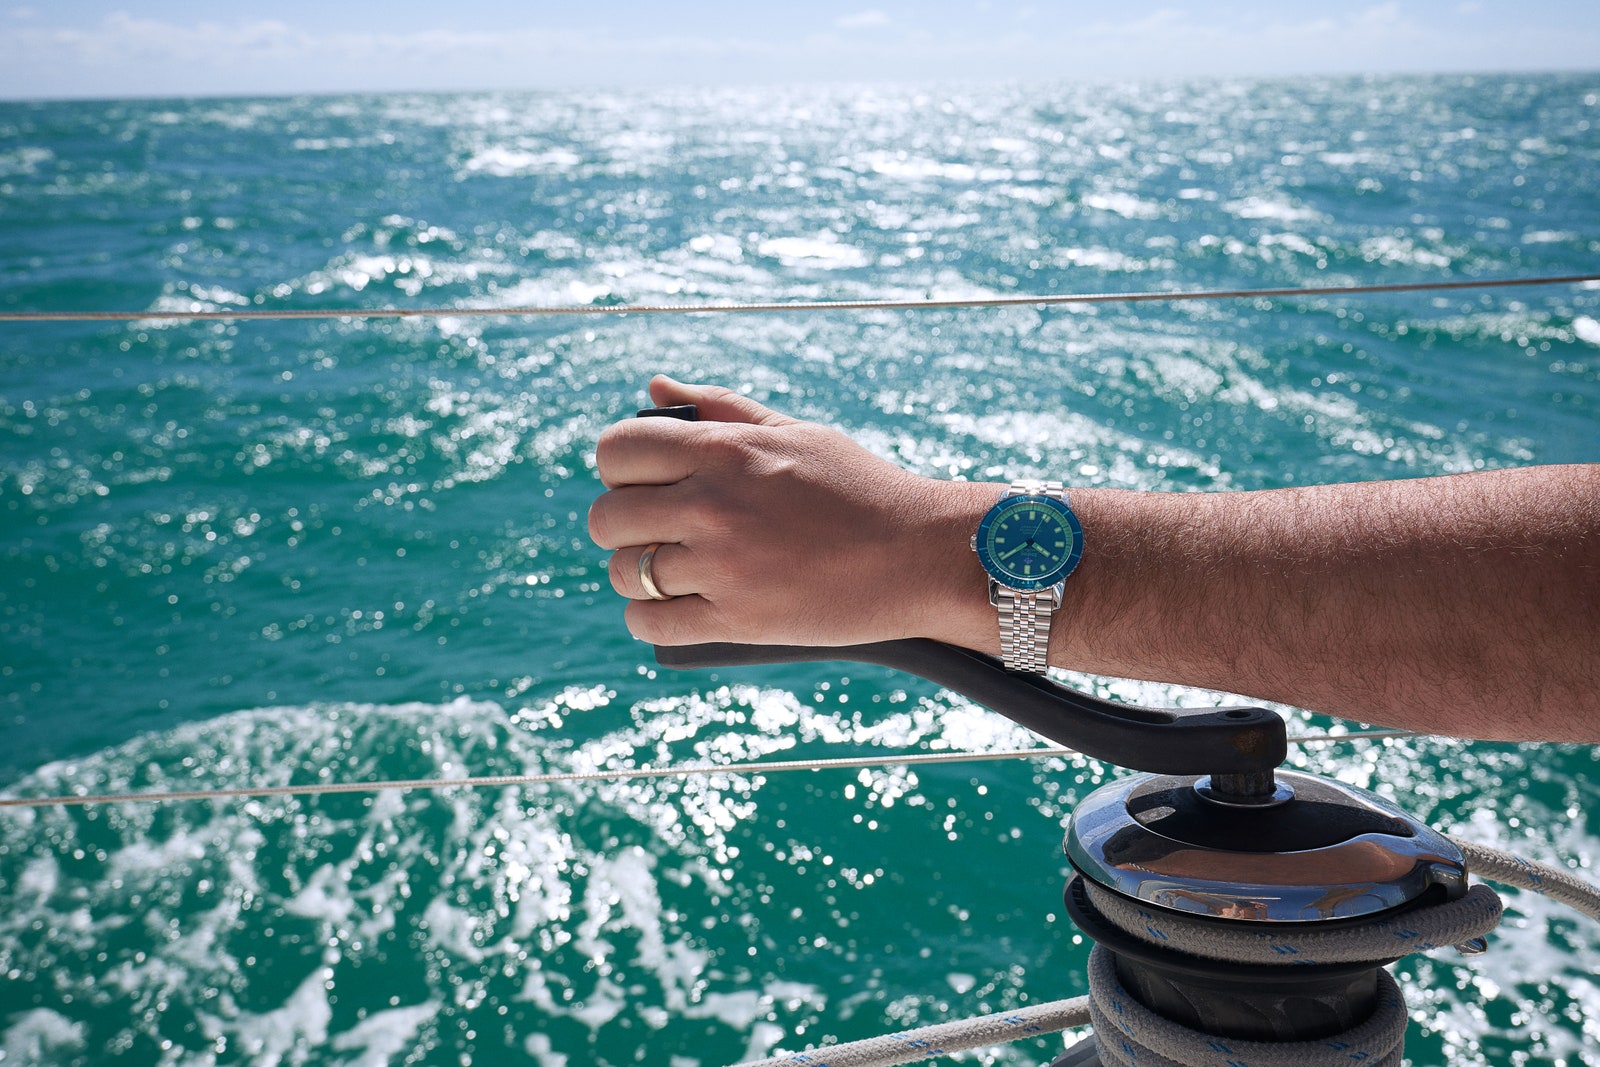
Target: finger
666	570
685	620
716	403
638	515
645	452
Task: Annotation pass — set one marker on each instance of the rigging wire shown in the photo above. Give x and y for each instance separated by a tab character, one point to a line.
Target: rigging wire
906	759
921	304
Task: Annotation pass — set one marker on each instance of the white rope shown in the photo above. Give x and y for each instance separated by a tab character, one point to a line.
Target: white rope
495	781
1131	1035
912	1046
1454	922
200	313
1508	868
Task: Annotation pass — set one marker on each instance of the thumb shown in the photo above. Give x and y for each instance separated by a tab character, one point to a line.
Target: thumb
716	403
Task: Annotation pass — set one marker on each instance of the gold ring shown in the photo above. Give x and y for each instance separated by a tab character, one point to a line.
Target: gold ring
646	578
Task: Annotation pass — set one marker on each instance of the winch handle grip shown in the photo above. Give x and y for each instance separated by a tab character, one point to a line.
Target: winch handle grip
1236	740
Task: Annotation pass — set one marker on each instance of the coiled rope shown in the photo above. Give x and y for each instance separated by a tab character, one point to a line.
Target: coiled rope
1130	1034
201	313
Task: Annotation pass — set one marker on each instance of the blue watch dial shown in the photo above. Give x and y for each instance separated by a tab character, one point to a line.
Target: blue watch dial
1029	542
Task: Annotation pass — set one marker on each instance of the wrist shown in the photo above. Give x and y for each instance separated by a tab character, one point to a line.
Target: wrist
954	597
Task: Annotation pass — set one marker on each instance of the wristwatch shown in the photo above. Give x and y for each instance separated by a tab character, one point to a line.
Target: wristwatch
1028	543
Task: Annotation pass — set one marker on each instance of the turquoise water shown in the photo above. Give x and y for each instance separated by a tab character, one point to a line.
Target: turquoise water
290	552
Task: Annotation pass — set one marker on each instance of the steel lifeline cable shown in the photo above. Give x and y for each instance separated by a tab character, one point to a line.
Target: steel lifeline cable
199	313
624	774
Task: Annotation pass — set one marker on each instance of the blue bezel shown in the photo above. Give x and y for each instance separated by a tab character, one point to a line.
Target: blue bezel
1006	577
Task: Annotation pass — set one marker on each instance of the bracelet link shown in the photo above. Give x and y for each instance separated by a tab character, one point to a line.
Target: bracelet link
1025	628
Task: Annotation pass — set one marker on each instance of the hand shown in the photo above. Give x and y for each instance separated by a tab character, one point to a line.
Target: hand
777	531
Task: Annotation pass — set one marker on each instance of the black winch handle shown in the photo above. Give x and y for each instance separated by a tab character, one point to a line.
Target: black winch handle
1161	740
686	412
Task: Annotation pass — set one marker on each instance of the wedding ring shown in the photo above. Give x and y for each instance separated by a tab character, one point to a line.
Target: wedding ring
648	579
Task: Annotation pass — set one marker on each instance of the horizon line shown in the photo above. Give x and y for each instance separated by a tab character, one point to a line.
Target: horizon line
821	83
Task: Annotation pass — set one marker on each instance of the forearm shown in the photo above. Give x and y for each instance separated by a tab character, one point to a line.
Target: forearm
1467	605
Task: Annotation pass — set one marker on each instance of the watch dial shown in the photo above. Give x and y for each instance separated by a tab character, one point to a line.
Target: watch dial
1030	543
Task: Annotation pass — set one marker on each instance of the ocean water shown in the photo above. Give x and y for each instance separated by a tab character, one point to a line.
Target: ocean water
265	553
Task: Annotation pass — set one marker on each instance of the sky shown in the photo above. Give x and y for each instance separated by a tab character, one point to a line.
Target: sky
95	48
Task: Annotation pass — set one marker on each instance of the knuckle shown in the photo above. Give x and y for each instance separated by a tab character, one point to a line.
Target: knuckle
618	573
701	511
605	449
715	517
721	447
680	623
600	524
739	450
652	626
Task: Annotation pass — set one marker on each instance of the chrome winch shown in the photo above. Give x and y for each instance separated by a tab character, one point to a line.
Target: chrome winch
1230	901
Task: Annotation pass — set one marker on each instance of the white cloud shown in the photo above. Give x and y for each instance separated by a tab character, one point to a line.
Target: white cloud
863	20
127	55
